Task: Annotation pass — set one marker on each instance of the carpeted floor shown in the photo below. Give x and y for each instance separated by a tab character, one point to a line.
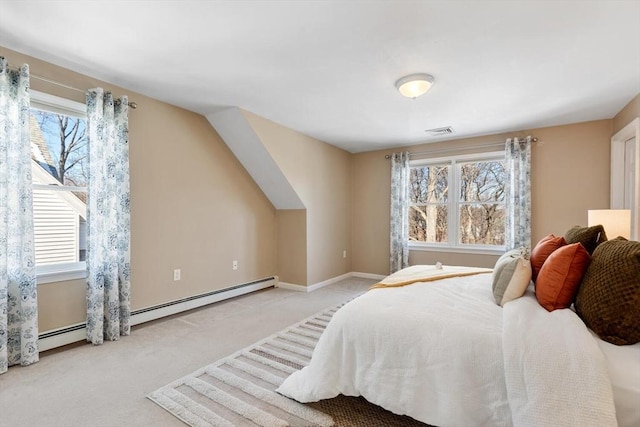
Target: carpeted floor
239	389
106	386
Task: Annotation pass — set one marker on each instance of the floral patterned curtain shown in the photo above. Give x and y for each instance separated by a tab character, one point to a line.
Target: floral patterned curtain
518	193
399	254
18	294
108	232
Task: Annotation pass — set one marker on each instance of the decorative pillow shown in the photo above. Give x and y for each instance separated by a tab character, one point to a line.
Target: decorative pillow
561	275
609	298
511	276
590	237
541	252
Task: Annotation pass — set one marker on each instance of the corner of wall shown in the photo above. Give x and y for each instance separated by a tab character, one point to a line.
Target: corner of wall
292	246
626	114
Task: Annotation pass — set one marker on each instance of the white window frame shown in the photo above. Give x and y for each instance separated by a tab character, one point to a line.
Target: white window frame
71	270
453	229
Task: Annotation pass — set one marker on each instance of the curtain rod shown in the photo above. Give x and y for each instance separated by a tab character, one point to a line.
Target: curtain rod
132	104
446	150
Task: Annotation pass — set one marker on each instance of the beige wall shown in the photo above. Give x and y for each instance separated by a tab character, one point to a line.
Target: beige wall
570	174
193	207
321	176
371	212
292	246
627	114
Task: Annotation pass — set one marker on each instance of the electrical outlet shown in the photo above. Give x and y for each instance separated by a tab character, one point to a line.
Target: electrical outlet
344	254
235	264
176	275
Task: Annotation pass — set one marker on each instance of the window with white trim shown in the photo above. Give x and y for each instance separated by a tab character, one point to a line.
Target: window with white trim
59	170
458	203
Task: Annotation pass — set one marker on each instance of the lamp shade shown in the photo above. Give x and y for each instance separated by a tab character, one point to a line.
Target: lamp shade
414	85
616	222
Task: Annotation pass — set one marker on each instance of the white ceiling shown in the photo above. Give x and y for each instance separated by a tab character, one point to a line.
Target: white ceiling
328	68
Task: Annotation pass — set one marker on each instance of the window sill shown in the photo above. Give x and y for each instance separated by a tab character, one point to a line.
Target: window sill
456	249
61	272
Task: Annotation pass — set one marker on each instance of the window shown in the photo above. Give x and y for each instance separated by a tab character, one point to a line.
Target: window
458	203
59	169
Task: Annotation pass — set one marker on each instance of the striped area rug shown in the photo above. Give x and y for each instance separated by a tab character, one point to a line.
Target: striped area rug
239	389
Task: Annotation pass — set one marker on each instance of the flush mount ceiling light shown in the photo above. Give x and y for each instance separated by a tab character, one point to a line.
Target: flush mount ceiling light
414	85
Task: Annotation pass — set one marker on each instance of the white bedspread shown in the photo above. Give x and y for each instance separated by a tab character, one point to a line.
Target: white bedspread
555	372
434	351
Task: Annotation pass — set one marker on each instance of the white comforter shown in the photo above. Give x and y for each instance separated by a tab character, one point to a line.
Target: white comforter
446	354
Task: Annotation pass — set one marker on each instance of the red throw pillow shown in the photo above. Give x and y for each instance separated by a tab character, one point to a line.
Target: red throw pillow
561	275
541	252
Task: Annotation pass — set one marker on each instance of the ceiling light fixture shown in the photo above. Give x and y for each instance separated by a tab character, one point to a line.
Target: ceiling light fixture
414	85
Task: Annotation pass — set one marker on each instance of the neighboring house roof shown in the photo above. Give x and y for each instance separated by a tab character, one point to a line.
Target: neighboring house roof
44	172
41	176
39	150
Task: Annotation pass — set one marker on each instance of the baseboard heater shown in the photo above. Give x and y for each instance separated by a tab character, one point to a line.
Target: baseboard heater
74	333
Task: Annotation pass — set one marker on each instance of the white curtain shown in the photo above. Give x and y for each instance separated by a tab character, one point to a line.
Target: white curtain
399	227
518	193
18	295
108	232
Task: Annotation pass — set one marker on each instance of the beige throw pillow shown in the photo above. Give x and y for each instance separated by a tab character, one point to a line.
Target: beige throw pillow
511	276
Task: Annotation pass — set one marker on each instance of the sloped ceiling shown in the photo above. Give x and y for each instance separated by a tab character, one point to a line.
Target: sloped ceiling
241	139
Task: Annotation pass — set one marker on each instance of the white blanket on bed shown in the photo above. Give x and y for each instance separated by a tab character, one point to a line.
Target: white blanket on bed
555	372
434	351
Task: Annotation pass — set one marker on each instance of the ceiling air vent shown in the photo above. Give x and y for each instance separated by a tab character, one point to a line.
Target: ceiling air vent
440	131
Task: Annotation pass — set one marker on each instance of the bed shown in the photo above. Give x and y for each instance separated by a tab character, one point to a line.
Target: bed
443	352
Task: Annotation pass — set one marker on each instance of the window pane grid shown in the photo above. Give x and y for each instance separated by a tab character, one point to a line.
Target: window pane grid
59	158
475	217
481	224
428	223
429	184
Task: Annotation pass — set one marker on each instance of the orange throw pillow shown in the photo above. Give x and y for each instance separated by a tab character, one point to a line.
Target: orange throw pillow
561	275
541	252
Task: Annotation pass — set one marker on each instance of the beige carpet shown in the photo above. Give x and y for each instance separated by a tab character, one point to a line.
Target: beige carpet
239	389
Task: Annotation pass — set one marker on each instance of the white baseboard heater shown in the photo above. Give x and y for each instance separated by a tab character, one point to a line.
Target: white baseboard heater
74	333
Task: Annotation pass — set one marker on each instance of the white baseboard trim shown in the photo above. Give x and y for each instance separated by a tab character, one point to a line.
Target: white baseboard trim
369	276
328	282
311	288
292	286
315	286
78	332
62	336
74	333
153	313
